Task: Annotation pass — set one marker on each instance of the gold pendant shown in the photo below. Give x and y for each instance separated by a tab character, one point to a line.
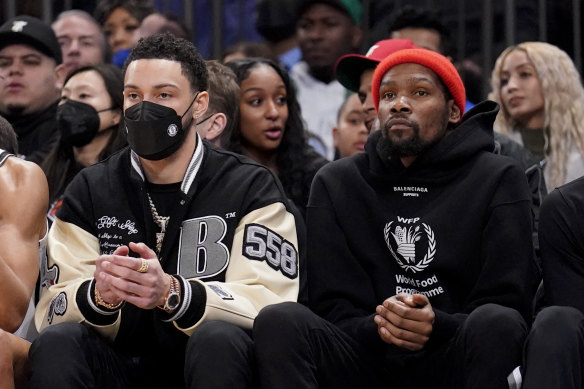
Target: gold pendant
159	239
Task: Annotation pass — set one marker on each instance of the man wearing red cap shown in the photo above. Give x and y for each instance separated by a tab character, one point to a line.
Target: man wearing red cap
355	71
420	251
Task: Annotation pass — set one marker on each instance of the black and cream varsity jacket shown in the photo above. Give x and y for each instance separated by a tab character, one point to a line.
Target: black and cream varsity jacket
232	242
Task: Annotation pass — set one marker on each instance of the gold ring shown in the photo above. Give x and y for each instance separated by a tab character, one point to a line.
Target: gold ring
143	266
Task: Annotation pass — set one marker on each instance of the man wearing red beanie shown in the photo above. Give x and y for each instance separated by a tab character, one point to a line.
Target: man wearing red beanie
420	257
355	71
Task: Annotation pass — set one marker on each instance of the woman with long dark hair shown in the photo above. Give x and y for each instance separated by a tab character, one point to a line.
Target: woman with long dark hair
120	19
89	117
270	128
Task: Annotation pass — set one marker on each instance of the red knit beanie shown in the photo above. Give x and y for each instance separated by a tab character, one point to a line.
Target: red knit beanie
438	63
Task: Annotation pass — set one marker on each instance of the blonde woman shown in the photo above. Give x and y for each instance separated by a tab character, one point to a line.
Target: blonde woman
542	107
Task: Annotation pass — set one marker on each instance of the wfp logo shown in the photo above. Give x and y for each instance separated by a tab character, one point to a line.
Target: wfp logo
404	241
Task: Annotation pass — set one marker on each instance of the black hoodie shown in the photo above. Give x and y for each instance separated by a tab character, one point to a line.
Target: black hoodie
37	132
455	225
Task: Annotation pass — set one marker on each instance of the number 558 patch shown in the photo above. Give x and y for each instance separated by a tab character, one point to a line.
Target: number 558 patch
262	244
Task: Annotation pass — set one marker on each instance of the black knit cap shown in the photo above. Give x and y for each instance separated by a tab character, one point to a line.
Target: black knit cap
31	31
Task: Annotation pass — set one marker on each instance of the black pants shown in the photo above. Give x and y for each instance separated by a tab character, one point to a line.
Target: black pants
297	349
554	351
72	355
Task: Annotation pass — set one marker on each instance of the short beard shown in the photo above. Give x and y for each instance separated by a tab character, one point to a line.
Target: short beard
401	148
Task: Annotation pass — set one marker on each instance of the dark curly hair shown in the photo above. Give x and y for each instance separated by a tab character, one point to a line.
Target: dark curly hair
297	162
137	8
8	140
167	46
415	17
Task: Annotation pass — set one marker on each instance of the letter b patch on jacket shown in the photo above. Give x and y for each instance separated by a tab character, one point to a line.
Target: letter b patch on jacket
202	254
262	244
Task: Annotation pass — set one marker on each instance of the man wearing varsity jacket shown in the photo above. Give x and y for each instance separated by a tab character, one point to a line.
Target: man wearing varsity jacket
161	256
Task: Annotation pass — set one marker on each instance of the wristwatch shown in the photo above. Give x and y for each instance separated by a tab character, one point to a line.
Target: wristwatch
172	299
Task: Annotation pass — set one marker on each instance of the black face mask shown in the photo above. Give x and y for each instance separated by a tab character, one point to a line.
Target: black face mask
78	122
154	131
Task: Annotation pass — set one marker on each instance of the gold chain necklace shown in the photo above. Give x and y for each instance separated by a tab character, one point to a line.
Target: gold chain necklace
161	221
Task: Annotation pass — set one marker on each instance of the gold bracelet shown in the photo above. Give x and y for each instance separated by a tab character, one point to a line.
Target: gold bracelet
100	301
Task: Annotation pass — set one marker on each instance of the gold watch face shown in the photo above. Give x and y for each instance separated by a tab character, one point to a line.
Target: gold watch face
173	301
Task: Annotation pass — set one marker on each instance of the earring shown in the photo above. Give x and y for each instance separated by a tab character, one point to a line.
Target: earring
196	116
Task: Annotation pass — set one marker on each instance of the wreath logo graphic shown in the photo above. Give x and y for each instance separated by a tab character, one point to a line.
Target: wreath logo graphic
406	238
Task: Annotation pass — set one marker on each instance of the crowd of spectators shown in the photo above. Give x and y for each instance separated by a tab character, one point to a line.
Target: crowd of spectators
331	199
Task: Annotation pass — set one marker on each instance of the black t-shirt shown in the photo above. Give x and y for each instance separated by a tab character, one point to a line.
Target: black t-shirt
163	195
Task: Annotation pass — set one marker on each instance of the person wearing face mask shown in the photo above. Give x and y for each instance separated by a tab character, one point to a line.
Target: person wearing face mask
88	117
162	255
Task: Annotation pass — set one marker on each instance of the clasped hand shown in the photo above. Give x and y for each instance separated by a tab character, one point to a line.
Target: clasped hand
405	320
117	277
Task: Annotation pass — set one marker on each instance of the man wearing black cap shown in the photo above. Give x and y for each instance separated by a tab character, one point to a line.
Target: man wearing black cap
326	30
31	75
